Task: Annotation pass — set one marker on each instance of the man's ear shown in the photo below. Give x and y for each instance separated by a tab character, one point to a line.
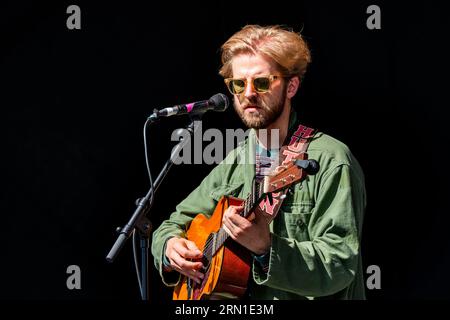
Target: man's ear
292	87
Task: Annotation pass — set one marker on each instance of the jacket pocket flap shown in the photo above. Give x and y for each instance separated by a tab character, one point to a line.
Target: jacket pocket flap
297	207
226	190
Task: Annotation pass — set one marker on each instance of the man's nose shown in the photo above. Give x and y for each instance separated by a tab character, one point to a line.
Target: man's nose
249	90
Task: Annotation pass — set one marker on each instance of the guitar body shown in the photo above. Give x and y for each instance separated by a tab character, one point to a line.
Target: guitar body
229	270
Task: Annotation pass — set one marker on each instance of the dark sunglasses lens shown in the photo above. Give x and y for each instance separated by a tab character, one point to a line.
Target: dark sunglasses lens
237	86
262	84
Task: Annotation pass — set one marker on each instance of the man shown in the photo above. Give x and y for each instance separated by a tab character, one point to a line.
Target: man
311	249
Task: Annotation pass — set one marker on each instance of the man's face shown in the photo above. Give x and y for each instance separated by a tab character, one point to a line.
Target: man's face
258	110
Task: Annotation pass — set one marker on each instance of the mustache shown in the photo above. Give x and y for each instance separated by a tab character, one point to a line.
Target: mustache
251	102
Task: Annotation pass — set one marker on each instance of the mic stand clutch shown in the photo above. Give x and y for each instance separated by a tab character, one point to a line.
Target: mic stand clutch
139	220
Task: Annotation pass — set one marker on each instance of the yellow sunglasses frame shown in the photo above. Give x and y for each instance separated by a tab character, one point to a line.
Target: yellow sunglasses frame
271	78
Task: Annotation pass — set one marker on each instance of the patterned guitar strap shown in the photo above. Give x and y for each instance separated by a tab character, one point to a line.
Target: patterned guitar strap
297	147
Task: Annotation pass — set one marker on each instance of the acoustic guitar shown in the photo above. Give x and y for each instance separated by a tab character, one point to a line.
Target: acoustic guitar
227	264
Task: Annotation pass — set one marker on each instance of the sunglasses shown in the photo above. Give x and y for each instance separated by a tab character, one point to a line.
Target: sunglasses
260	84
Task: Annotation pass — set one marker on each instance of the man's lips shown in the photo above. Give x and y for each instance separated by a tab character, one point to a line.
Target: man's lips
251	108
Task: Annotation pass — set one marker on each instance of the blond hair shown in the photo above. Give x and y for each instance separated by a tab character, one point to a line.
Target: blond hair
285	47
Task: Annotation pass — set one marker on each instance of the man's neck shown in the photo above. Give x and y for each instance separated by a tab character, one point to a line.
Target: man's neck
279	128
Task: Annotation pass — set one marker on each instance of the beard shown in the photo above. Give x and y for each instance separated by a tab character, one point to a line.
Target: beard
266	113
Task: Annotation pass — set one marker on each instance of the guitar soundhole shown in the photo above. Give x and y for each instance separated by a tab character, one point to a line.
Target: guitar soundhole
208	251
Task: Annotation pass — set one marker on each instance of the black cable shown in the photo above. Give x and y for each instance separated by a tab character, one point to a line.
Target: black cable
138	274
152	192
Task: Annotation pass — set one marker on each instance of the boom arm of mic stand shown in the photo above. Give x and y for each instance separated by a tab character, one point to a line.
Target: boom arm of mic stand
138	219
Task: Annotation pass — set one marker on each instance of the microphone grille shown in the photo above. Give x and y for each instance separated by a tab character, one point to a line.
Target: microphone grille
219	101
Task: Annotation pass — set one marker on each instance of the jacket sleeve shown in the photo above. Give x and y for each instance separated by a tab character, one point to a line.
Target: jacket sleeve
328	261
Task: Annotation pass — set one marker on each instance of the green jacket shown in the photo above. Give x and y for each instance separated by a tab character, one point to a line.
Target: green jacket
315	251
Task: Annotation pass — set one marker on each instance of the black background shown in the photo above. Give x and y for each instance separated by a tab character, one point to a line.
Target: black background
74	103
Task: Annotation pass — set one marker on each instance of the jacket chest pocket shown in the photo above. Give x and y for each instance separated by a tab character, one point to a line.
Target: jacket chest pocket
292	221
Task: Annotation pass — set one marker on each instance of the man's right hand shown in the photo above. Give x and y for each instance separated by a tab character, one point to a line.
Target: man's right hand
179	252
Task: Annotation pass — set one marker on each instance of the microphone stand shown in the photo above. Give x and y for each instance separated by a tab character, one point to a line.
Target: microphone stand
139	220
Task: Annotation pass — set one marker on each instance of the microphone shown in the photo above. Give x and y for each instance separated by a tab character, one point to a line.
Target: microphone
310	166
218	102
